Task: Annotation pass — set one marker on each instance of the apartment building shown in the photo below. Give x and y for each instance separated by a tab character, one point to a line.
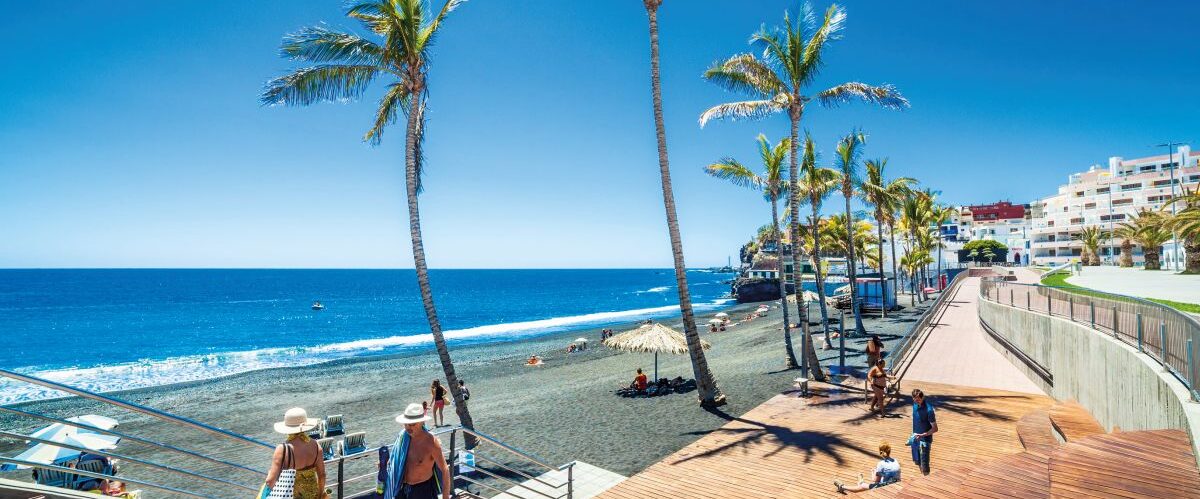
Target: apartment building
1106	197
1001	221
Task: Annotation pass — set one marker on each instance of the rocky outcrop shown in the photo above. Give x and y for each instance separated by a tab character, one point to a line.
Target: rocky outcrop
752	289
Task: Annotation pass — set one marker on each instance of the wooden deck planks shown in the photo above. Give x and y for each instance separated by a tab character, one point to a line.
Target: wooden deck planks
1037	433
1024	475
1074	422
1155	463
792	447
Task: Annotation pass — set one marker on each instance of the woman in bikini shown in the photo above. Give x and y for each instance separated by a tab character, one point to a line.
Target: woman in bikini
437	394
300	453
878	379
874	350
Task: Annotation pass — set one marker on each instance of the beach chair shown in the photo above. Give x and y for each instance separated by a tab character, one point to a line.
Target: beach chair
329	447
54	478
96	466
318	432
333	426
354	443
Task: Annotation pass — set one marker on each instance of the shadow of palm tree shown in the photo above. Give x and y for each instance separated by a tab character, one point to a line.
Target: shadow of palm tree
809	442
967	405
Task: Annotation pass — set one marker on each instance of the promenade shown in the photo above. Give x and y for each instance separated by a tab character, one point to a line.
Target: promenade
1163	284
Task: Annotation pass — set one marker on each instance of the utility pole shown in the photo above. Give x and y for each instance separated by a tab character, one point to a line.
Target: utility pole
1171	164
1112	257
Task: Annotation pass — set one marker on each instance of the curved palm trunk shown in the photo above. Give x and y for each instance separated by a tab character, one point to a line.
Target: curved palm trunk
854	303
1191	250
882	277
706	386
415	121
811	366
938	278
896	275
789	362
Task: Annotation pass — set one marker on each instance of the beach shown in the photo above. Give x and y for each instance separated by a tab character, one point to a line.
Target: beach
564	410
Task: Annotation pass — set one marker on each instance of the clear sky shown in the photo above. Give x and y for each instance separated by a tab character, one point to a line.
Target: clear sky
131	135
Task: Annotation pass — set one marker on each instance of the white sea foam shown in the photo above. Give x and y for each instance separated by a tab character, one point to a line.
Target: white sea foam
659	289
157	372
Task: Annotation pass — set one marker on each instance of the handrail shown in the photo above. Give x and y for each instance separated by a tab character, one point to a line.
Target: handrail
901	352
18	436
516	471
492	440
89	474
125	436
134	407
1172	334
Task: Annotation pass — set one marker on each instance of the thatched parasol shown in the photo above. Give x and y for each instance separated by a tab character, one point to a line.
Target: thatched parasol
655	338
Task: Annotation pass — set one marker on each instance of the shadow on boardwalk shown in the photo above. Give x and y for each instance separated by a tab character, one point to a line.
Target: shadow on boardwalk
756	433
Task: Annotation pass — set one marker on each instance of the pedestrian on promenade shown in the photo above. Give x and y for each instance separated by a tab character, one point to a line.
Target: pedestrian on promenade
874	350
878	379
924	426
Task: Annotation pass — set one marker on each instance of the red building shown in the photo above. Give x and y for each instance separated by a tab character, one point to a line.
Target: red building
1003	210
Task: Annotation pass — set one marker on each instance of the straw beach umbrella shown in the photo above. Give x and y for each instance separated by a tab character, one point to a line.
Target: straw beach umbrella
655	338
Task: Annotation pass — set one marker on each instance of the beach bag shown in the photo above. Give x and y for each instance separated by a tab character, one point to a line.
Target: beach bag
285	485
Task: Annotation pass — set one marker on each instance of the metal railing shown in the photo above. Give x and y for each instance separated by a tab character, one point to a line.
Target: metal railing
908	347
488	473
1168	336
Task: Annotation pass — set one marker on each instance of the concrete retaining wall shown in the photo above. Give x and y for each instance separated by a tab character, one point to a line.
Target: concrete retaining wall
1119	386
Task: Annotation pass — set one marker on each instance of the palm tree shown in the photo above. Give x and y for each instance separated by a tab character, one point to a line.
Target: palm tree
814	185
884	197
915	212
1126	234
342	65
941	215
1187	223
773	186
849	149
1147	229
778	81
1090	238
706	386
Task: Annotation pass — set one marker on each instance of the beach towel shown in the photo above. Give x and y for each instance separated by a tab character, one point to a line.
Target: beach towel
397	454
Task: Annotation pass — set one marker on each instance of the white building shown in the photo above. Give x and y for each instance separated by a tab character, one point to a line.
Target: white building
1106	197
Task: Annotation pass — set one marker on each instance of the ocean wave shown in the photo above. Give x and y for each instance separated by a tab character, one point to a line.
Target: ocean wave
157	372
659	289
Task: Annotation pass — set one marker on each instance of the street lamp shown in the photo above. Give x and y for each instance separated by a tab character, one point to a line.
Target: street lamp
1171	164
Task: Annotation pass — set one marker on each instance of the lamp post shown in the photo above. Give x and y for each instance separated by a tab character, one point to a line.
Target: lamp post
1112	258
1171	164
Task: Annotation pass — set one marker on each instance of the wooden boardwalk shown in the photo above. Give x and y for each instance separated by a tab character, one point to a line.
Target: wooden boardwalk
796	447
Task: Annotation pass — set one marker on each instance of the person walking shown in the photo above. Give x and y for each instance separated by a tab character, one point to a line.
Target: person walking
416	468
878	379
299	453
462	388
437	395
886	472
924	426
874	350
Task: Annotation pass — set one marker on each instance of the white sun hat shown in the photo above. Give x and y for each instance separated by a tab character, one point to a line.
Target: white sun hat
414	413
295	420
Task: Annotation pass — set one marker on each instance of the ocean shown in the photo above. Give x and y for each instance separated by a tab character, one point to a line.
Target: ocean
109	329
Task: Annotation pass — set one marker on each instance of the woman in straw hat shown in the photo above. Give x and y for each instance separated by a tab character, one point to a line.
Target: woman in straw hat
300	453
417	469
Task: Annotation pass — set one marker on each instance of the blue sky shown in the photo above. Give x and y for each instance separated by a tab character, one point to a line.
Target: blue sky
130	133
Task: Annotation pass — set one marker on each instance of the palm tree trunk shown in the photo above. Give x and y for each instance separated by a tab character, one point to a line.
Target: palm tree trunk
896	275
1191	250
810	365
882	277
854	303
789	362
1152	258
415	121
706	386
1126	253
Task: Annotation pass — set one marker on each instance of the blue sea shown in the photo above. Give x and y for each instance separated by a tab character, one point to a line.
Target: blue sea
120	329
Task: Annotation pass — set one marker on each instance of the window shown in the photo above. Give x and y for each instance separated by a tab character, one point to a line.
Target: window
1073	220
1105	218
1162	183
1079	194
1131	187
1048	224
1194	178
1155	199
1089	205
1147	168
1121	202
1103	190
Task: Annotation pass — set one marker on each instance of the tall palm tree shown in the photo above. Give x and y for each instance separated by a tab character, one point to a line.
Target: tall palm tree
813	186
849	149
773	186
941	215
779	81
884	197
342	65
915	212
706	386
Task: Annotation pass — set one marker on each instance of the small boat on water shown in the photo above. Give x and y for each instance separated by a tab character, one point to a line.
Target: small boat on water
318	306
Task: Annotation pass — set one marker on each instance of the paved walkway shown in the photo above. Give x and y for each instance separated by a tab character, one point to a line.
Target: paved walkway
1164	285
957	353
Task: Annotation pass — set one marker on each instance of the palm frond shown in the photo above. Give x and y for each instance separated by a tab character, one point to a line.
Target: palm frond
736	173
320	44
883	95
430	31
746	74
396	99
329	82
753	109
830	30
